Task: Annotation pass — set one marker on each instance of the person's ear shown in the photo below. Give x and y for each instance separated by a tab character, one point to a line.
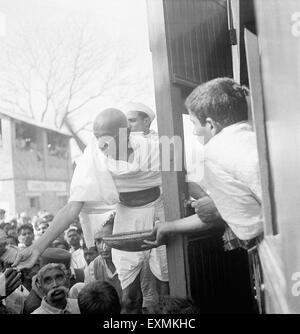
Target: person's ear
213	126
147	121
209	123
38	283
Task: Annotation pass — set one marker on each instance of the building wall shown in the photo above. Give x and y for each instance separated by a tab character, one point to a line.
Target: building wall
30	200
38	164
28	164
7	196
31	180
58	168
41	183
6	168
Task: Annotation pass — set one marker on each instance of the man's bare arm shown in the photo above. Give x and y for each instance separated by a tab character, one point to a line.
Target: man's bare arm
191	224
60	223
62	220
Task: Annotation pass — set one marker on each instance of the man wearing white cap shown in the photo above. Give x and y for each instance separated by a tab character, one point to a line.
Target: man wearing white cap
139	117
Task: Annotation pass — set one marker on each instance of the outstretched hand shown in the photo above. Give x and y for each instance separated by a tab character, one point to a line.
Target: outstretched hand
206	209
158	235
27	258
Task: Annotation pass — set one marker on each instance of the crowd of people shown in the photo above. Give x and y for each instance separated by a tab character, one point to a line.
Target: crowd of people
69	277
63	264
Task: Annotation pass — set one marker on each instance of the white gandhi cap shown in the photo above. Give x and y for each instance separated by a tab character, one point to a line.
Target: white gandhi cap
136	106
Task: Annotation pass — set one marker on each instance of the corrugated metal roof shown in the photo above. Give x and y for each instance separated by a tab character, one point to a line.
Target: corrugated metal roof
34	122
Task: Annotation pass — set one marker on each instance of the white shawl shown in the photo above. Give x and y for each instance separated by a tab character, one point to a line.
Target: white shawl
98	179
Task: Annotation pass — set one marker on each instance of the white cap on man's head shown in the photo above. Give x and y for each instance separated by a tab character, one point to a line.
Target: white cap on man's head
137	106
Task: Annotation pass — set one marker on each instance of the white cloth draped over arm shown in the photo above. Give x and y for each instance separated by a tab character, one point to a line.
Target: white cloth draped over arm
97	180
93	184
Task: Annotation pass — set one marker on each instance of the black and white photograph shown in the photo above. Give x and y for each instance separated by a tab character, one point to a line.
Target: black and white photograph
149	160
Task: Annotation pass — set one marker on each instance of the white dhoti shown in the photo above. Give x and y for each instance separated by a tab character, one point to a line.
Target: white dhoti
129	264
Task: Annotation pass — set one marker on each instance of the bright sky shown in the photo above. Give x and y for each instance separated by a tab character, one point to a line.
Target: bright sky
2	25
122	22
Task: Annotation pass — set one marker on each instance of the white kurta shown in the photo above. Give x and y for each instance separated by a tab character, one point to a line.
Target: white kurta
77	259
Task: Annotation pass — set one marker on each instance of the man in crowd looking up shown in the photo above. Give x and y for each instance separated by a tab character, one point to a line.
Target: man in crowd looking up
52	280
52	255
103	268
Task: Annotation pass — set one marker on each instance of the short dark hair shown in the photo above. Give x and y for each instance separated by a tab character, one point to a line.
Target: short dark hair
99	297
176	305
25	227
221	99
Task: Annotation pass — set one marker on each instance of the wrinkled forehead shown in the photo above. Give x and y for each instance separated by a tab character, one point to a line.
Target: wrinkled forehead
49	273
